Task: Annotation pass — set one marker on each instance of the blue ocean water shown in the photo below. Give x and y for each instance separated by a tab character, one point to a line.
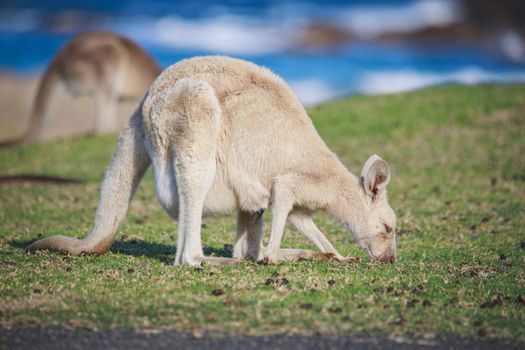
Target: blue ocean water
266	32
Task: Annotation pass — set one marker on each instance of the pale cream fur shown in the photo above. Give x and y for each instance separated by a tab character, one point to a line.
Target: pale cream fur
224	134
104	65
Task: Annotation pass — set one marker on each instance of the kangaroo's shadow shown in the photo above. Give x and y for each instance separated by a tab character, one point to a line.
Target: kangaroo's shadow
162	252
135	247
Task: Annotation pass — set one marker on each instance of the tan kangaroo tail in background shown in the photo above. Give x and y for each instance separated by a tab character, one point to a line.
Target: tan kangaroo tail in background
123	175
47	86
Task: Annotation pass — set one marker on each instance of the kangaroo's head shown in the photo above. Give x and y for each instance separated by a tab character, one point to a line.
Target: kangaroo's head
376	229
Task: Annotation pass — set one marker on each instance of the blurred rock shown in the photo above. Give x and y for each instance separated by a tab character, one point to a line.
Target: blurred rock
492	25
323	36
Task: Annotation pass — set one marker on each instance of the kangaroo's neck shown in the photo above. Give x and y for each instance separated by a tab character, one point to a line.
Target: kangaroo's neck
347	202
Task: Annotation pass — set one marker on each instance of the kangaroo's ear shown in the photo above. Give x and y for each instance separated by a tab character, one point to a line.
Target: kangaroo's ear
375	176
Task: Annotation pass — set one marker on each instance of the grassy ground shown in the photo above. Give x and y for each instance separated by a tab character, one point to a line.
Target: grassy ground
458	188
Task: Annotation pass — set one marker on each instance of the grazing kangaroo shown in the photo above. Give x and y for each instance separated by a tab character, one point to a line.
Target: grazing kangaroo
223	134
105	65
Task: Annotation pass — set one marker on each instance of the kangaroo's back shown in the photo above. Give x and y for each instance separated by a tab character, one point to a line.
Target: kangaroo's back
265	128
95	58
232	79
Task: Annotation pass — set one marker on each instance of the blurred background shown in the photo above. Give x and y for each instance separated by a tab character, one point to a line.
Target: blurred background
323	49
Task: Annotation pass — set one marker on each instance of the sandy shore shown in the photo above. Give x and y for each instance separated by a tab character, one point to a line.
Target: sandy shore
69	115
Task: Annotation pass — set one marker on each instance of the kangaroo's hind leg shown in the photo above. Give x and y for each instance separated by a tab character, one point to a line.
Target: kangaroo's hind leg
184	125
106	110
249	235
106	101
109	84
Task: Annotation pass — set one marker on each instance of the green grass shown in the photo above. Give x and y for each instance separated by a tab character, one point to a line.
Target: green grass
458	187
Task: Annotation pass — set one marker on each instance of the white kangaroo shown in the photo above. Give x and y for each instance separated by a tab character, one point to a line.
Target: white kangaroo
105	65
224	134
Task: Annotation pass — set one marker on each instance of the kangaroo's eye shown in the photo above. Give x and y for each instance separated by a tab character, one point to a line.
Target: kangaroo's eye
387	228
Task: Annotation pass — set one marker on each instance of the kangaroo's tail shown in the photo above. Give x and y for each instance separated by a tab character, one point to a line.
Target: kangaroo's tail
123	175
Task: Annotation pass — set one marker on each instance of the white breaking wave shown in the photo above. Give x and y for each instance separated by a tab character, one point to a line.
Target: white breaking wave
276	30
400	81
234	34
512	46
223	34
371	21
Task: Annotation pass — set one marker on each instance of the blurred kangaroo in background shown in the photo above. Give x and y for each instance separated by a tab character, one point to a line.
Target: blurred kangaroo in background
223	134
105	65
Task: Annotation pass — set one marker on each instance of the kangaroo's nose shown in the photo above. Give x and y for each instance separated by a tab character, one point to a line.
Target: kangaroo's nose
388	258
